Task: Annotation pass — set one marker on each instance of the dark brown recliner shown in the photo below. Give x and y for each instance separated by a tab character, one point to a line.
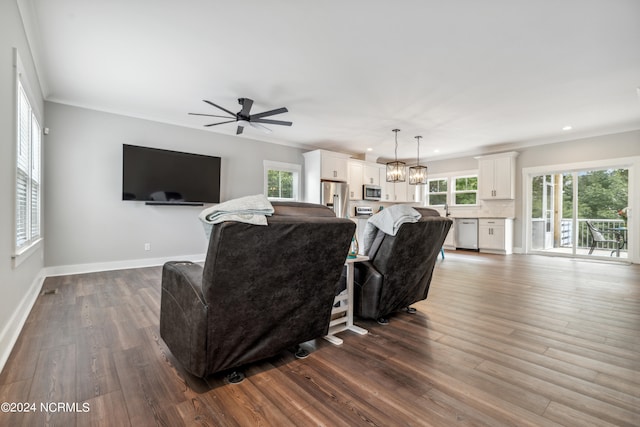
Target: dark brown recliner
400	267
263	289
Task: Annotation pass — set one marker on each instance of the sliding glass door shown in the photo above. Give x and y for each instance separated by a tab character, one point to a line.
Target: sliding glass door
579	213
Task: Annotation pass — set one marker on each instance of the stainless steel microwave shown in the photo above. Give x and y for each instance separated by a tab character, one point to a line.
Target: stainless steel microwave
371	192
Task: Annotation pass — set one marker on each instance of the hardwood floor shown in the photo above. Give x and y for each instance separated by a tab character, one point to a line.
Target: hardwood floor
501	340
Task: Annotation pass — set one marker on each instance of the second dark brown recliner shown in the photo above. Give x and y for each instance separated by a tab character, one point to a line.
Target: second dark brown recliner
400	267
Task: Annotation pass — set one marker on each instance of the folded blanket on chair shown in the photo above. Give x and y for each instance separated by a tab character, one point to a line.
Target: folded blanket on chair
389	221
250	209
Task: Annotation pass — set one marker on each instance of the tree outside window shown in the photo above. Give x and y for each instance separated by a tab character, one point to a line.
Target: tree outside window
437	192
280	184
281	180
466	190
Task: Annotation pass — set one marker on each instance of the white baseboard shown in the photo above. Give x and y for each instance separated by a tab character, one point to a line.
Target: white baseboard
62	270
10	333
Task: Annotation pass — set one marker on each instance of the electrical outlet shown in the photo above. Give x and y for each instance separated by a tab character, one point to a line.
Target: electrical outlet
147	246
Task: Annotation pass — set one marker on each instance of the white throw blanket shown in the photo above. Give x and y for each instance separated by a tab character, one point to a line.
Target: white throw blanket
249	209
389	221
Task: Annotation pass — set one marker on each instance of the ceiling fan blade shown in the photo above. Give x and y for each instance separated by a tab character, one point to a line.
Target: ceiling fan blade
239	130
272	122
223	109
246	106
210	115
260	127
269	113
220	123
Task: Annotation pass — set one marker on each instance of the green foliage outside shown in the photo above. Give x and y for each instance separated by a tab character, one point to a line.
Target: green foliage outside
601	194
466	190
437	199
465	198
437	192
469	183
438	186
280	184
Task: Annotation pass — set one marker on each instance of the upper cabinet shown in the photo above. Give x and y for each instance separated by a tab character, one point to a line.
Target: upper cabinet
322	165
496	176
372	174
356	179
334	166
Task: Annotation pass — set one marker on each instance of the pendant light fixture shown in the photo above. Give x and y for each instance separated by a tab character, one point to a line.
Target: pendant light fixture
396	170
417	173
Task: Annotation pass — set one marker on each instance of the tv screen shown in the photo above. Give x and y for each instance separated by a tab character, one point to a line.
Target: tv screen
169	177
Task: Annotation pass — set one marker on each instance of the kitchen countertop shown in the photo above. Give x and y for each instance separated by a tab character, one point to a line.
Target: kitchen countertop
481	217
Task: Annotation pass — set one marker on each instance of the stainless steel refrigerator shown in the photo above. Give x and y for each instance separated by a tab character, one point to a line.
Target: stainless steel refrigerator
336	196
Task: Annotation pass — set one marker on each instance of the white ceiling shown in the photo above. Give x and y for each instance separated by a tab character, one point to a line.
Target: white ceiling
469	76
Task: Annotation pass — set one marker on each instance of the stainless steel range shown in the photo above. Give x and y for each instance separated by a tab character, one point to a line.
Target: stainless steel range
364	211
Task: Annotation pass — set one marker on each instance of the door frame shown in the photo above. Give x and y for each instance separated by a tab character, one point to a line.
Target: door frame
630	163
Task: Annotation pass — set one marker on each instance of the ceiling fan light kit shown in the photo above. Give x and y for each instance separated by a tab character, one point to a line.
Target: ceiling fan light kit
417	173
396	170
244	118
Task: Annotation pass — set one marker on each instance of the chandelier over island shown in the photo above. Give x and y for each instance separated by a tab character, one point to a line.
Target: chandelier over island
396	170
417	173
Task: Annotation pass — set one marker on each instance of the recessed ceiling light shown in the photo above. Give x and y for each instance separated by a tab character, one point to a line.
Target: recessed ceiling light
567	127
436	151
369	149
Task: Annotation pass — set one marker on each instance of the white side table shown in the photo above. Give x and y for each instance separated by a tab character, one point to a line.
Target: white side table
344	302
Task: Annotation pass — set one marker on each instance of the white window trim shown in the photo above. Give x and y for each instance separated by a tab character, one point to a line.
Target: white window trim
284	167
454	191
446	193
631	163
20	254
451	177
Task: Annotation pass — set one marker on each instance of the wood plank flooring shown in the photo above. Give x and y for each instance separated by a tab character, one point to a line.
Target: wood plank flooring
501	341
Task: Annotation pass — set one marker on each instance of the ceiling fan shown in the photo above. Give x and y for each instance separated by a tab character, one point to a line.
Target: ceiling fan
244	118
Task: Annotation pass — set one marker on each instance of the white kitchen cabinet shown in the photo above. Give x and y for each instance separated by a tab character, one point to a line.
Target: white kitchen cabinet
396	191
334	166
495	235
400	192
385	187
496	176
322	165
416	193
372	174
356	178
386	192
450	241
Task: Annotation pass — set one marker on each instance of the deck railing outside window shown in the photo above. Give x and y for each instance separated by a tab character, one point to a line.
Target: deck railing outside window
584	237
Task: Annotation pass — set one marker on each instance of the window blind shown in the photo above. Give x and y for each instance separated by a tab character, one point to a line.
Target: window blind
27	173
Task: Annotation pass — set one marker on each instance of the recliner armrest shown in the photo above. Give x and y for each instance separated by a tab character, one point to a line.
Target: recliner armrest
183	314
183	275
367	277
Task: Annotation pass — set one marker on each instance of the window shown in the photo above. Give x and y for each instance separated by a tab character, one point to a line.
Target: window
465	190
281	180
437	192
28	176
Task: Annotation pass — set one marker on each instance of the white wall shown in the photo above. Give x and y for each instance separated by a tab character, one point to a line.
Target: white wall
85	218
18	285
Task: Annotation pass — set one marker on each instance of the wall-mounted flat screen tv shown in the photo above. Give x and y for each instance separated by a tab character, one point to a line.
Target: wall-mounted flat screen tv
163	177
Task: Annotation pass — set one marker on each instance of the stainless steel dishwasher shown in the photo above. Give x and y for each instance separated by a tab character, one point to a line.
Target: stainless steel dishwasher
467	233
